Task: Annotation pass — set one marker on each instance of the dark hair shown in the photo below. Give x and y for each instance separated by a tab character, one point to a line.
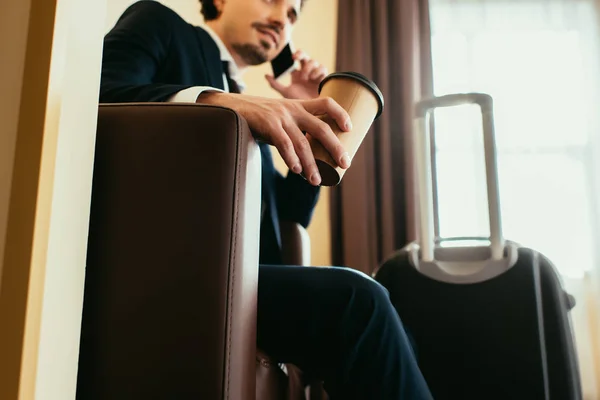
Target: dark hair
210	12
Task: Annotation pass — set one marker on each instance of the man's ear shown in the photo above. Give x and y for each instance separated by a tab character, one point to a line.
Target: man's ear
219	4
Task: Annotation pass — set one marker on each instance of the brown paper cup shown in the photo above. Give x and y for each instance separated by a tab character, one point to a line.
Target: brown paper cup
363	101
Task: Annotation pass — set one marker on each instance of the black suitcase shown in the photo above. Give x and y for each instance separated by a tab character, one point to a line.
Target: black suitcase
491	320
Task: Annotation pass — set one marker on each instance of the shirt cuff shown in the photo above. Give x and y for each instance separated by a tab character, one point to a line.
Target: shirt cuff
190	95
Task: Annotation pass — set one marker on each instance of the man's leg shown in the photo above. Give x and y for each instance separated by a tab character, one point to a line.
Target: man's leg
338	325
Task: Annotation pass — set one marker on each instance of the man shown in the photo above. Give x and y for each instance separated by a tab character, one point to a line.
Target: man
333	323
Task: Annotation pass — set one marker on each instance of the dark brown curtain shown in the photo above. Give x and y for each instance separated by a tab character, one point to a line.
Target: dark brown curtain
373	209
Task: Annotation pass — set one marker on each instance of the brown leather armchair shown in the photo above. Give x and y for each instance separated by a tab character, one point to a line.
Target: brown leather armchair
172	267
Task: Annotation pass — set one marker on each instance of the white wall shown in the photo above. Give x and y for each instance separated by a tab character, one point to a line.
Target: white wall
50	78
318	43
65	191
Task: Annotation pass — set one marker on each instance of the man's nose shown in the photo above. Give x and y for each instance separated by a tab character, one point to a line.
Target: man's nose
279	16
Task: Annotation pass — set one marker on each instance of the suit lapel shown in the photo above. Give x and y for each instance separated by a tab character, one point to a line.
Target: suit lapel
211	58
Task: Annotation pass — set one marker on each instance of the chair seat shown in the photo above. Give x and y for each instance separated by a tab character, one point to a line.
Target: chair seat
284	382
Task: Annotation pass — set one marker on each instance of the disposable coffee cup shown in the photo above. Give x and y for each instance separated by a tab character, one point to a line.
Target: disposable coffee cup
363	101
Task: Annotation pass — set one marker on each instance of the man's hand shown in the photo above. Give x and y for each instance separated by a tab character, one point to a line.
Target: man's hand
305	81
280	122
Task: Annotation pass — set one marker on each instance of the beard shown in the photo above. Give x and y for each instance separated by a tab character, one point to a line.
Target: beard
253	54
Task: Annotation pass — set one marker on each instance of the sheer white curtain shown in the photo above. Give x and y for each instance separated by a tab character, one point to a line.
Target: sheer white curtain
540	60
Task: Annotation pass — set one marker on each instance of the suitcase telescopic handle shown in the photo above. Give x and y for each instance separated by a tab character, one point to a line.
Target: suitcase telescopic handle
428	212
483	100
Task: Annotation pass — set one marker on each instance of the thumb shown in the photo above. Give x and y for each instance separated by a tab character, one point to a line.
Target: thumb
275	84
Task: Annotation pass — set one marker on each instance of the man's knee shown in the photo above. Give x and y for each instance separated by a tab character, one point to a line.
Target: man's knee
360	280
361	291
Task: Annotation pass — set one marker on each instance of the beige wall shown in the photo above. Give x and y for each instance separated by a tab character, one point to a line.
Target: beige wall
318	43
67	160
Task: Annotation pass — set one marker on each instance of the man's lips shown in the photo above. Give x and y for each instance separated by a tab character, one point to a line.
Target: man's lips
270	34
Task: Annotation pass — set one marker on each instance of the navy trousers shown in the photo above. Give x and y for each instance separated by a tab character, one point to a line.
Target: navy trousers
338	325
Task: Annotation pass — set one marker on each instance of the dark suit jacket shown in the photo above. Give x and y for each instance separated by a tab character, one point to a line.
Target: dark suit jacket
151	54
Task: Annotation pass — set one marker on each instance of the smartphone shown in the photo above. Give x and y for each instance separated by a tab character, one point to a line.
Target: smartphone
283	63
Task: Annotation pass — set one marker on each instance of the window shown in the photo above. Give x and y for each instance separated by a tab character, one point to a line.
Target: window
539	61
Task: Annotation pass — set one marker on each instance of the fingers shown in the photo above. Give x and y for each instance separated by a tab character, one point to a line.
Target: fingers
299	55
295	149
318	74
322	132
275	84
284	144
307	68
310	70
281	123
326	105
304	152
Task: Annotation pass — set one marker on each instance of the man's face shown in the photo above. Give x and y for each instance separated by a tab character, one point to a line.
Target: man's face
257	30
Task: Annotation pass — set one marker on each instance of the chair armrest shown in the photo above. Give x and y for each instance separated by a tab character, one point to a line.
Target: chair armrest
172	267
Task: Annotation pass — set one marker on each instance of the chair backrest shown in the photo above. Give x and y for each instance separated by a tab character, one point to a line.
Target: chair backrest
295	244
